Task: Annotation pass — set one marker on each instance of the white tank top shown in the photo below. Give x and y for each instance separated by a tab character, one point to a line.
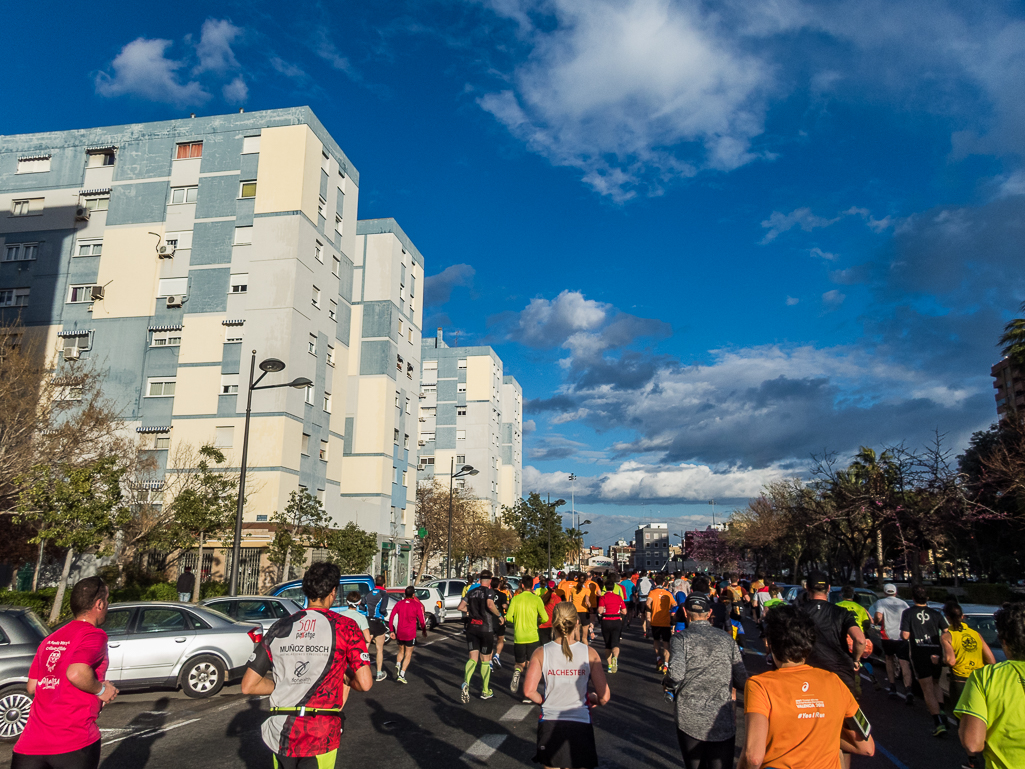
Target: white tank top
566	684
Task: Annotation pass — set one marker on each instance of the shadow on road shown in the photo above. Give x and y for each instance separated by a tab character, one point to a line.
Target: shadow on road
246	727
135	752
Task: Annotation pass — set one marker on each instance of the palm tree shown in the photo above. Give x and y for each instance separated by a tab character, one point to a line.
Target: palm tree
1013	340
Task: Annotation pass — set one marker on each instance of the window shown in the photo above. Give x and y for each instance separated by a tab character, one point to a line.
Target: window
336	266
34	165
315	297
400	327
21	252
89	248
305	448
250	145
160	388
321	206
99	158
428	411
402	293
395	437
426	437
308	395
67	392
239	283
330	355
460	459
184	195
461	411
405	441
323	450
398	362
243	236
26	207
460	435
461	483
461	387
101	203
166	339
412	286
14	297
429	389
232	334
332	310
224	437
325	162
404	477
161	441
462	363
318	251
320	498
430	365
229	384
327	402
172	286
79	294
247	189
189	150
409	408
338	224
311	345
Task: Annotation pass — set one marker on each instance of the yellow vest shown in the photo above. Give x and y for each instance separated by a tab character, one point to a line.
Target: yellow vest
967	651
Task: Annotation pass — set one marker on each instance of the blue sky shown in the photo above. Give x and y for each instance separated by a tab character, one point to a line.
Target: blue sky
709	239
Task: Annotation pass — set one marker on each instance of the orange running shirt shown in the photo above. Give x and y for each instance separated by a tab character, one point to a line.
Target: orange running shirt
581	598
806	707
662	604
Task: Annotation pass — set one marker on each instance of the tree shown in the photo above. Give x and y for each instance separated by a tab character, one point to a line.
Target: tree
77	508
301	525
432	516
712	547
537	523
1013	340
352	548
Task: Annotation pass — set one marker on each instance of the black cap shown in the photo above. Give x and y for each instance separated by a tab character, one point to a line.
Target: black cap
817	580
697	602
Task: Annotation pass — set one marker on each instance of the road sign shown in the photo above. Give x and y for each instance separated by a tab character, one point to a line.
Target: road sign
421	532
510	559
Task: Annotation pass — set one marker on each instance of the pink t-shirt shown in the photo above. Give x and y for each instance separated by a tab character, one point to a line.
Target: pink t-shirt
63	717
612	604
410	615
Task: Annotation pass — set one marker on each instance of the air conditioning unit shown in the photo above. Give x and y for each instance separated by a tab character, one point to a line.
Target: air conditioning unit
421	443
72	353
82	214
423	419
175	300
165	252
97	293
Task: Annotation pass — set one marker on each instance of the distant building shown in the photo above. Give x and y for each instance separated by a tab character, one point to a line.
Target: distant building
1009	383
622	554
651	542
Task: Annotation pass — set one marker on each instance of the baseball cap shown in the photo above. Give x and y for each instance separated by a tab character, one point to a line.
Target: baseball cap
697	602
817	580
890	589
551	584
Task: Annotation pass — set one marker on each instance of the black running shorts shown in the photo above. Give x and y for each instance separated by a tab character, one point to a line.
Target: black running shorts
479	641
377	628
83	758
611	631
895	648
659	633
566	743
545	634
410	642
922	664
523	652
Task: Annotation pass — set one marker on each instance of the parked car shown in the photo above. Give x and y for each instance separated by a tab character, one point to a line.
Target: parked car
451	591
261	609
861	595
164	643
434	607
21	632
293	589
979	618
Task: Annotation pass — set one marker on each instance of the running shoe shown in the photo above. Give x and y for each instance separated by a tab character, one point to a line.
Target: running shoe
515	680
400	679
487	695
615	664
893	694
381	675
940	730
496	662
464	693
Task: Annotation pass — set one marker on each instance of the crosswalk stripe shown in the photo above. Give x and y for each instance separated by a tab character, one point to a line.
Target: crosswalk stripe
483	748
517	713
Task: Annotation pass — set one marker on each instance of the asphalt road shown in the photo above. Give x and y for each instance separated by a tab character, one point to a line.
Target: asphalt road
424	725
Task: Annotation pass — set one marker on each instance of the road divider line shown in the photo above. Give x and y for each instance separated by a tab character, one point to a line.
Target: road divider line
893	759
484	748
151	732
517	712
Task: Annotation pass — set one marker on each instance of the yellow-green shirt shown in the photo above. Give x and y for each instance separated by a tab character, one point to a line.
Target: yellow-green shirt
859	612
995	695
526	610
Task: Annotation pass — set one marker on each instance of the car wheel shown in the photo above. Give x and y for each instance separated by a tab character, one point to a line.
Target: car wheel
14	707
202	677
432	622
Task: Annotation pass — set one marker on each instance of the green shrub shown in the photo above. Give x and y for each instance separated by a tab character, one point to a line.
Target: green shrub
993	595
39	601
938	594
161	591
213	588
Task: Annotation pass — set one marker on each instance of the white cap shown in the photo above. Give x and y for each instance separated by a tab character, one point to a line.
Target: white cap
890	589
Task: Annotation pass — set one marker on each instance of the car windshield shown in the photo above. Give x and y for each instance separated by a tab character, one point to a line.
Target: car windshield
986	627
33	621
423	593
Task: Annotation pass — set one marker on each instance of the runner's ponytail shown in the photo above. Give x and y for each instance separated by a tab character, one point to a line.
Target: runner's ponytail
565	620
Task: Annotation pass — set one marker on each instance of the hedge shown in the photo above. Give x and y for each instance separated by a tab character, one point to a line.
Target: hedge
993	595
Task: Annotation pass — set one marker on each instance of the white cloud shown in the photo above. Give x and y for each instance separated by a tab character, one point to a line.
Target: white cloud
833	299
550	323
529	426
778	223
142	69
289	70
569	416
820	254
792	300
214	47
236	92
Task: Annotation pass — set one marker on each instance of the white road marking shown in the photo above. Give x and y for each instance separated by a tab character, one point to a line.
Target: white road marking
867	678
483	748
517	713
112	730
151	732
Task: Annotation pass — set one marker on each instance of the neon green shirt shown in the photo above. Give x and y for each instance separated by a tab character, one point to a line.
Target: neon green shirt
995	694
526	610
859	612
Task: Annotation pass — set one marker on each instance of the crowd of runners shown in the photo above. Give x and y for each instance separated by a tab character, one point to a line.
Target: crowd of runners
566	631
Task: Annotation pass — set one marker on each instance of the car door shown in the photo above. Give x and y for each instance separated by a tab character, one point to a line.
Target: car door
116	627
159	639
226	606
262	612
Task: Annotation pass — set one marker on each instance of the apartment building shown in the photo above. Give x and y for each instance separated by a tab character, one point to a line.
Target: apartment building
170	252
651	546
1009	383
470	413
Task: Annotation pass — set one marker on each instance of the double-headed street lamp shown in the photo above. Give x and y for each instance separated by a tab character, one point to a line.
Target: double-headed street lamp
452	475
269	366
552	506
581	547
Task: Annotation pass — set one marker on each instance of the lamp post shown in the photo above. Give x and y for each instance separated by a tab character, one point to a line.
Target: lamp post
550	516
712	503
452	475
581	547
269	366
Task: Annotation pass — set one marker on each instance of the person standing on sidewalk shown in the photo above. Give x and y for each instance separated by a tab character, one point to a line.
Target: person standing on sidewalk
185	585
526	612
410	615
304	663
69	691
705	669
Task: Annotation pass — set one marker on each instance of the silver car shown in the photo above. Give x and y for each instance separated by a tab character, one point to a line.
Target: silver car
451	591
262	609
157	643
21	632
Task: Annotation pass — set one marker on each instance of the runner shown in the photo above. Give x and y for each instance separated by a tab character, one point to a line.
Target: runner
304	663
660	607
705	670
611	611
526	612
795	713
410	614
629	593
833	626
352	601
644	585
922	627
887	613
992	707
581	598
375	606
502	598
865	623
757	586
551	598
66	683
964	651
565	735
680	590
483	618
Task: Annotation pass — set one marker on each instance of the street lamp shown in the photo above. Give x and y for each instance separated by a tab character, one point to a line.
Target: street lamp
573	499
452	475
581	547
550	516
269	366
712	503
